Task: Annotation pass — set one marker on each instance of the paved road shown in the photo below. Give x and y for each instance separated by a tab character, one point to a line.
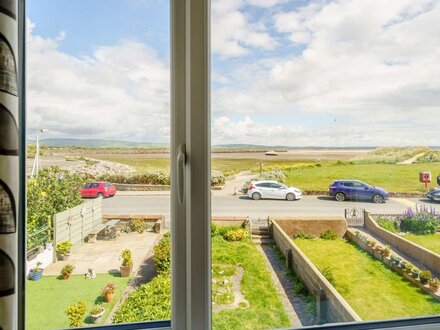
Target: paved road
242	206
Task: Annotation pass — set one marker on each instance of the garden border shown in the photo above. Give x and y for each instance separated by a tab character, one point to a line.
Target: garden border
425	257
331	306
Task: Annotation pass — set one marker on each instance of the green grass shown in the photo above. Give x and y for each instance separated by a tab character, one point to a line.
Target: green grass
430	242
374	291
307	174
48	298
266	310
393	177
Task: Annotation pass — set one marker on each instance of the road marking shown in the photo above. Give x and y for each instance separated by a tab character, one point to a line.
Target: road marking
405	202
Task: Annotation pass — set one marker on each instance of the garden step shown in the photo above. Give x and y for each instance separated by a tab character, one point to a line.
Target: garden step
260	236
259	231
263	240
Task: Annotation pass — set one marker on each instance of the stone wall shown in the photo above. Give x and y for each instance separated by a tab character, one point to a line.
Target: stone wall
424	256
311	225
331	306
230	221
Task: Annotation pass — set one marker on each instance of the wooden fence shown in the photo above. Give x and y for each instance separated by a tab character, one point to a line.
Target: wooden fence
74	224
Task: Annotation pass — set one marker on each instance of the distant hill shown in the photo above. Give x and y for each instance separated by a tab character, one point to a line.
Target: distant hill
97	143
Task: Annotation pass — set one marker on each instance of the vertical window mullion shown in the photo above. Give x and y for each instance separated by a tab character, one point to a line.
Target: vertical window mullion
191	306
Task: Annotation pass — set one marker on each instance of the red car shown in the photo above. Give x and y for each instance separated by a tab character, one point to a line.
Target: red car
98	189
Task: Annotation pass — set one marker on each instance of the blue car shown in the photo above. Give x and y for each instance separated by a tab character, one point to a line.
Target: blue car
342	190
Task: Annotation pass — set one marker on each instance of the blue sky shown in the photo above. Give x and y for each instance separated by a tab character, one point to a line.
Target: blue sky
285	72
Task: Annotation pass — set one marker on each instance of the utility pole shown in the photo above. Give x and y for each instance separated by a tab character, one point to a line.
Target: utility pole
36	165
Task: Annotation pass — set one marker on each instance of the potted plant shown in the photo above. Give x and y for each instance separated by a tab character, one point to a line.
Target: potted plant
425	275
415	272
67	270
357	233
63	250
48	245
37	272
96	312
127	263
372	243
409	267
109	291
434	284
379	249
387	251
403	264
395	260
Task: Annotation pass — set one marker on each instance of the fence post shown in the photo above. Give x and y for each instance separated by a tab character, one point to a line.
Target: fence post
54	238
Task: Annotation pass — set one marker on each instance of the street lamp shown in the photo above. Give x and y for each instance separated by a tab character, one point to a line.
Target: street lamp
36	165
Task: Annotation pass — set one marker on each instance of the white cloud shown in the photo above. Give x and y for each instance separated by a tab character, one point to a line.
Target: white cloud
370	62
234	33
120	91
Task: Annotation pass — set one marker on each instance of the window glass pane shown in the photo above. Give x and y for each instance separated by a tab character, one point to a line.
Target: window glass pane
98	163
338	100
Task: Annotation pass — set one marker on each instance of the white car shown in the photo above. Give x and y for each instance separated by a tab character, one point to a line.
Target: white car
273	190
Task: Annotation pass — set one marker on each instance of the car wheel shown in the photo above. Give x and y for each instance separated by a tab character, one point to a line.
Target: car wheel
256	196
378	199
290	197
100	195
340	197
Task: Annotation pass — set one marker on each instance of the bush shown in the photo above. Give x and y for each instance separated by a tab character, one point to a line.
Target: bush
217	230
277	175
54	190
327	272
162	254
425	275
388	224
303	235
63	248
217	178
422	221
151	301
235	235
76	313
137	225
329	235
155	178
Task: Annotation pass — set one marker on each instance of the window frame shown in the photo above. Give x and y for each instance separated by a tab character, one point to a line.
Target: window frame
190	123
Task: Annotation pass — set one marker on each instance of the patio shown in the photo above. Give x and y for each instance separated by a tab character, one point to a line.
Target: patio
104	256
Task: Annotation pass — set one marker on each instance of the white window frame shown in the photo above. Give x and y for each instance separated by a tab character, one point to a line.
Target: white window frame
190	211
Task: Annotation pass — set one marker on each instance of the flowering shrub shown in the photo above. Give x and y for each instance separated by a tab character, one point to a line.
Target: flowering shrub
422	221
235	235
52	191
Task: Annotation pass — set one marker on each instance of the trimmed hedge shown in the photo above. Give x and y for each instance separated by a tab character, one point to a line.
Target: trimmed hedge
155	178
162	254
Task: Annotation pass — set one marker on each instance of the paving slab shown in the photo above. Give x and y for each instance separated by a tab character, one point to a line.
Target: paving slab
104	256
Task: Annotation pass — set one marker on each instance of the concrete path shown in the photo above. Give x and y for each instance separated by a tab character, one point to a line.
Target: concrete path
285	287
104	256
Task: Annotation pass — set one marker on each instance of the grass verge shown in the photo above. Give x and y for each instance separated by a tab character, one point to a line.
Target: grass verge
374	291
48	298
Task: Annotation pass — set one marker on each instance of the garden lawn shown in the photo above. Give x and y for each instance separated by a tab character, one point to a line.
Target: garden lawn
374	291
266	310
48	298
430	242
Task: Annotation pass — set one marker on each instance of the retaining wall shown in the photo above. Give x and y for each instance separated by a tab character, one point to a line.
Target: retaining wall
424	256
331	305
311	225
